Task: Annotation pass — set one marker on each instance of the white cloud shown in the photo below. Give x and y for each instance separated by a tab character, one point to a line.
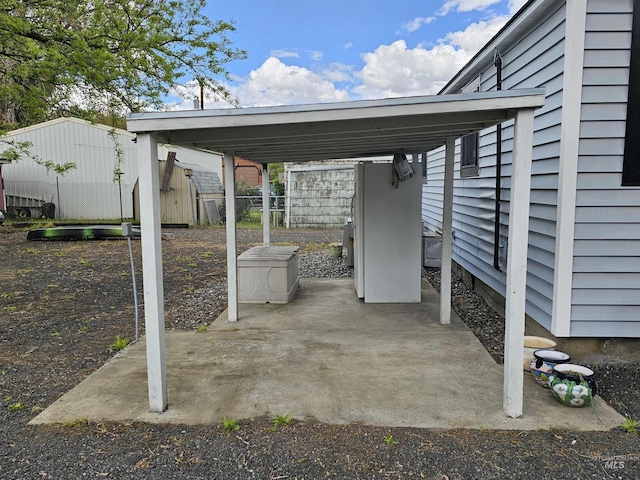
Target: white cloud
338	72
348	45
465	5
316	55
274	83
389	71
476	35
416	23
284	54
395	70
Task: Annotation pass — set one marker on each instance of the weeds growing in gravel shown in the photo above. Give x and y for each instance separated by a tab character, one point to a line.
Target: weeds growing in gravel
76	423
281	421
630	425
84	263
120	343
202	328
230	425
389	440
17	406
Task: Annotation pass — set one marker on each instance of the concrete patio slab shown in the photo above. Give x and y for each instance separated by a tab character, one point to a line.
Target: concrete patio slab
329	357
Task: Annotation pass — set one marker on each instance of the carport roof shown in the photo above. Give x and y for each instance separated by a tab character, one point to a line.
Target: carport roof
366	128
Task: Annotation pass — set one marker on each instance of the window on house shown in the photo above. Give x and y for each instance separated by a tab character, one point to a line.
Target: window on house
631	163
469	155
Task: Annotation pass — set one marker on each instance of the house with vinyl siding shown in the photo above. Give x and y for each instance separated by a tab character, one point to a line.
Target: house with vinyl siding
583	274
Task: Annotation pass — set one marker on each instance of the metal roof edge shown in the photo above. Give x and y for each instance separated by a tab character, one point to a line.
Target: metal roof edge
166	121
55	121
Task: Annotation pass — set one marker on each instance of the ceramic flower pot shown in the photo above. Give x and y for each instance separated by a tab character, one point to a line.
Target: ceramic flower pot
572	385
531	344
542	365
335	249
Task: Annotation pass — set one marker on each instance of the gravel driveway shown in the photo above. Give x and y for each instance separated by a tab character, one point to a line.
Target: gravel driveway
63	303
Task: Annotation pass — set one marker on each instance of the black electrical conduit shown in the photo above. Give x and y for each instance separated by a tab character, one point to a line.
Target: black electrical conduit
497	60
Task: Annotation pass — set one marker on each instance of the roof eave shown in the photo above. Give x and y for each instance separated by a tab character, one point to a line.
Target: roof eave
507	36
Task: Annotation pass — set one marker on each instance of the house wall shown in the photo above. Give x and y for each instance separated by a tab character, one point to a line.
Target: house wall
85	192
536	60
606	279
606	263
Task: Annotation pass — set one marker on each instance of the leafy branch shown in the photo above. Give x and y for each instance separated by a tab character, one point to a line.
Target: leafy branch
15	151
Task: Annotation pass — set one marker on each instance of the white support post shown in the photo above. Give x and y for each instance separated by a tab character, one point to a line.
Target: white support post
147	153
447	236
575	27
516	293
266	206
232	246
288	200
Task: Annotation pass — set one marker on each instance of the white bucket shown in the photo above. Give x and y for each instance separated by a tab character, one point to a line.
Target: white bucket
531	344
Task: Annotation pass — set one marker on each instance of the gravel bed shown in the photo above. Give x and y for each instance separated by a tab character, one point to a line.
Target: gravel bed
63	303
322	265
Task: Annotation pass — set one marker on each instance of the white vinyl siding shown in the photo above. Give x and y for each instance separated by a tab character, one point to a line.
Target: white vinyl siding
536	60
606	248
606	278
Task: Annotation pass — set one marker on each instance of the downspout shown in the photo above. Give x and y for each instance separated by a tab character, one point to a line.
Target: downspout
497	61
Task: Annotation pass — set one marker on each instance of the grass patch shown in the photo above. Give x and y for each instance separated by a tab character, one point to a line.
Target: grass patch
17	406
120	343
78	422
84	263
630	425
281	421
389	440
230	425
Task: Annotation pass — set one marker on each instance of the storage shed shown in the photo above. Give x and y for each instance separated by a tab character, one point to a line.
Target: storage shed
189	193
92	190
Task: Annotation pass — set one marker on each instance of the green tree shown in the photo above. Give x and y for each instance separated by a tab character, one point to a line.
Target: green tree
275	170
73	57
102	59
243	205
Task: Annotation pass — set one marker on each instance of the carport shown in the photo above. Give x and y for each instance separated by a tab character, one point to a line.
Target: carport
305	133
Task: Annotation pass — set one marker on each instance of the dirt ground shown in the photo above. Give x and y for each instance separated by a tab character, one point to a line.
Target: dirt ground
62	304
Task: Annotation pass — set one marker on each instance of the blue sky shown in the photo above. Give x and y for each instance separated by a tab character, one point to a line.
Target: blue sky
302	51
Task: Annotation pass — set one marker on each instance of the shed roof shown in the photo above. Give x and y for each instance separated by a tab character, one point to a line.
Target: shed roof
204	179
57	121
367	128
